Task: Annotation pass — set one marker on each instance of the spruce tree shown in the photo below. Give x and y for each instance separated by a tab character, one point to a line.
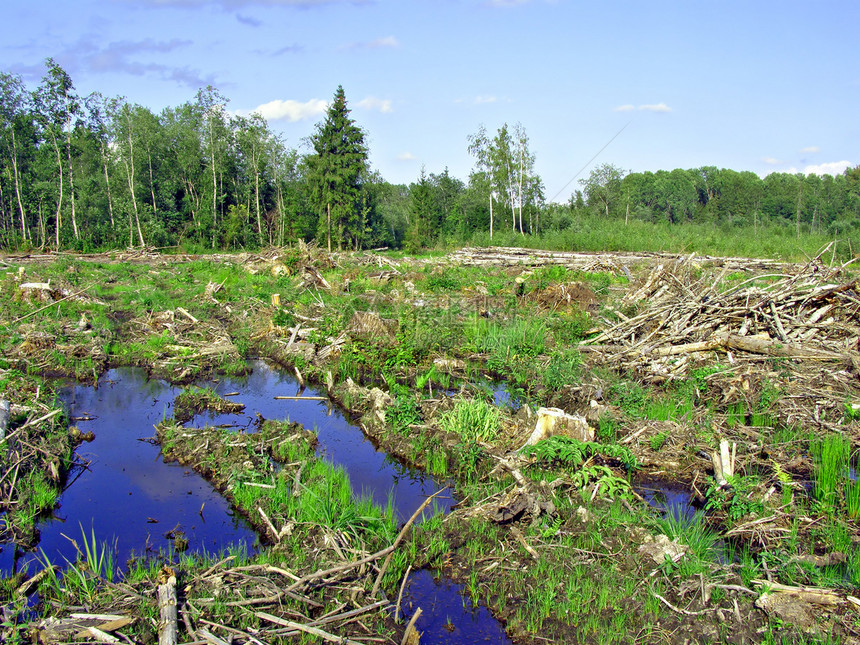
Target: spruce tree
336	176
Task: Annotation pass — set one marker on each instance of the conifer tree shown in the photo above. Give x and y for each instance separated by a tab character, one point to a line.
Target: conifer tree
337	173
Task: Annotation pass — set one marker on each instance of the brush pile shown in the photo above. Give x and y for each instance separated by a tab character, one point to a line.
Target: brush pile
593	262
798	328
182	344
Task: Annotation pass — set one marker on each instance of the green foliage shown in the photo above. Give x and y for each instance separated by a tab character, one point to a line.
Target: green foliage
35	494
656	442
832	456
564	368
336	174
852	413
85	578
852	499
737	500
522	336
284	318
692	531
546	275
472	420
402	412
448	279
607	429
598	479
512	348
567	451
53	135
568	329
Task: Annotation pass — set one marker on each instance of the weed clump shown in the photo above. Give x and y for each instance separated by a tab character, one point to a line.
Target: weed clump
472	420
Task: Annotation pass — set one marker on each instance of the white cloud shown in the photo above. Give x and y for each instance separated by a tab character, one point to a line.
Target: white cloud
656	107
406	156
291	110
121	57
506	3
379	43
286	49
771	160
378	105
388	41
830	168
810	149
485	98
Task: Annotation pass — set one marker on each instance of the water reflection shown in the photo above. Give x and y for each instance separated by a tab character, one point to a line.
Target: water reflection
446	615
371	471
130	498
126	495
669	499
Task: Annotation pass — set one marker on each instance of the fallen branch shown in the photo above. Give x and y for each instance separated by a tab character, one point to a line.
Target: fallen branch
400	537
410	628
167	629
331	638
301	398
48	306
686	612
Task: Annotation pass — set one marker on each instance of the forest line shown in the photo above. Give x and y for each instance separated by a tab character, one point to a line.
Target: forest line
92	173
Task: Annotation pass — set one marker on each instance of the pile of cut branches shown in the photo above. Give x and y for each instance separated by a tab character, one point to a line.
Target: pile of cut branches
594	262
804	322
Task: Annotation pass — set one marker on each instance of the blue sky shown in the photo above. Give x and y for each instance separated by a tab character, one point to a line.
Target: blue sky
754	85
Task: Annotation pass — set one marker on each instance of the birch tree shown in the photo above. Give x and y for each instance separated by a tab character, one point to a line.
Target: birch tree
58	108
509	168
14	115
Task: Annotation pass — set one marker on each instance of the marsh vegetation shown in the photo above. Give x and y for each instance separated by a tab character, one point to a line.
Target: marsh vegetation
562	540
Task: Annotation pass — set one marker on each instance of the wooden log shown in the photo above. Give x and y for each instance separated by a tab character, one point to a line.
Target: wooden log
400	537
268	522
98	635
167	628
331	638
411	635
689	348
766	346
29	585
4	417
35	286
187	315
301	398
209	637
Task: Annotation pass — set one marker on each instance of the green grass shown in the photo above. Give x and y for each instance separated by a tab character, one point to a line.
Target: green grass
403	411
520	337
564	368
590	232
84	579
691	531
472	420
831	454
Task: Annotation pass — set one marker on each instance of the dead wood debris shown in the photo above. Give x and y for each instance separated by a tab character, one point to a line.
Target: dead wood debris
38	445
342	575
192	341
802	316
594	262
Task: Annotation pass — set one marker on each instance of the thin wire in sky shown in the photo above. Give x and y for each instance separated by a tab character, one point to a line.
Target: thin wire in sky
588	163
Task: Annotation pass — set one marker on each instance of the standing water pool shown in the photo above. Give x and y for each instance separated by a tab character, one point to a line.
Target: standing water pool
128	497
